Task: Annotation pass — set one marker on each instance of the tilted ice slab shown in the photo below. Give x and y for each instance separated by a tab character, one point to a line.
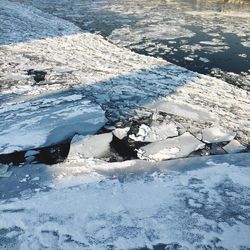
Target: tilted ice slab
155	132
172	148
217	134
47	121
95	146
128	205
234	147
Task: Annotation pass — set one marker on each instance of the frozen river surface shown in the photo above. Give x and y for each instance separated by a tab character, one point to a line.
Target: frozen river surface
210	37
58	79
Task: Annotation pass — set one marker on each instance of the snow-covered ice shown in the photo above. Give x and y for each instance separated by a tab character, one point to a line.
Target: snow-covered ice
24	23
234	147
117	79
217	134
172	148
186	110
95	146
155	132
120	133
47	121
193	203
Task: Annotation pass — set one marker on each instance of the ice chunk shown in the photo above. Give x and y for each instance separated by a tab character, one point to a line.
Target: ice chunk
4	171
47	121
31	153
156	132
182	109
95	146
121	133
234	147
217	134
203	59
144	130
177	147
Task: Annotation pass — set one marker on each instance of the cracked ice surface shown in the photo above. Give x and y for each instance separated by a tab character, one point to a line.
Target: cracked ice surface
195	203
116	79
196	34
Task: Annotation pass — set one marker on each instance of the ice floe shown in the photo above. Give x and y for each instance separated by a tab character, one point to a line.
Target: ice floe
172	148
186	110
24	23
156	132
47	121
234	147
95	146
217	134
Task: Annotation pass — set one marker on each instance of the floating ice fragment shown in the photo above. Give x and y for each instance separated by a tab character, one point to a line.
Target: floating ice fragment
33	126
156	132
4	171
188	58
177	147
95	146
203	59
217	134
234	147
121	133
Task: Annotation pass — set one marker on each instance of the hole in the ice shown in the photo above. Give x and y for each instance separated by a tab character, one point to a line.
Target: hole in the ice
38	75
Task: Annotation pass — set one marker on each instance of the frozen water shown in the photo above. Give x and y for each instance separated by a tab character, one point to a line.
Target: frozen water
47	121
120	133
4	173
234	147
155	132
15	17
172	148
130	205
89	204
217	134
171	29
117	79
95	146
